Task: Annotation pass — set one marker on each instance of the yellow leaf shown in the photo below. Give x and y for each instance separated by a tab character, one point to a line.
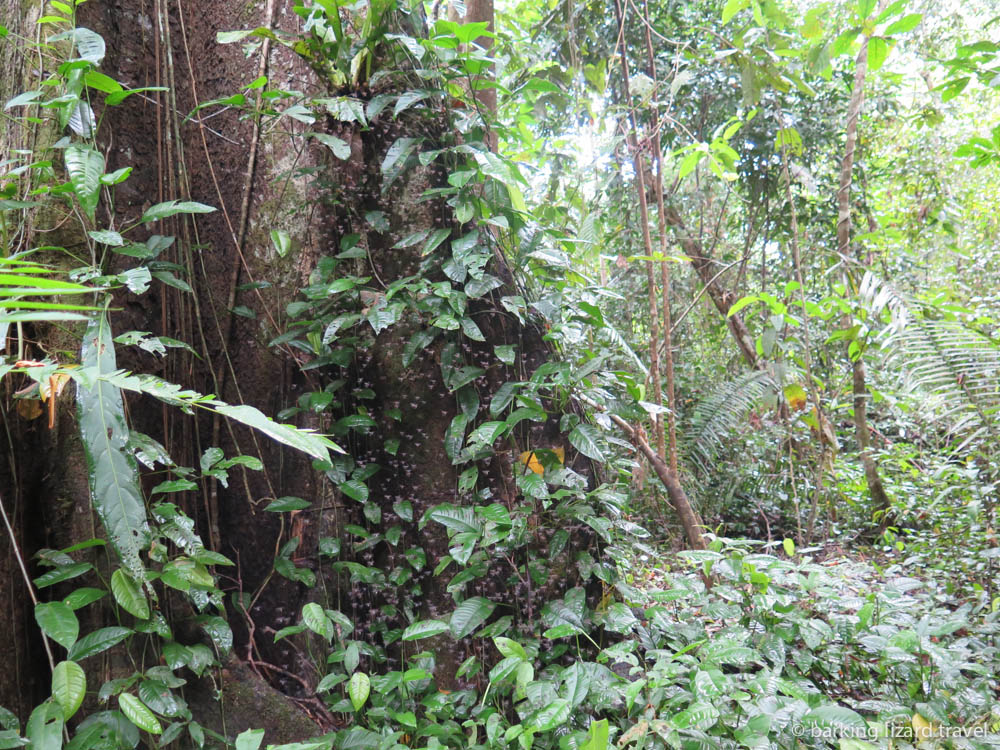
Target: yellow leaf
922	729
530	459
795	395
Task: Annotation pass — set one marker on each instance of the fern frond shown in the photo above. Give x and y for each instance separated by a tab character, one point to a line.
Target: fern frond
952	371
718	414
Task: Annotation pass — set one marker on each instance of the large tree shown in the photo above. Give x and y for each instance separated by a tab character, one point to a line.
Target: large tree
343	278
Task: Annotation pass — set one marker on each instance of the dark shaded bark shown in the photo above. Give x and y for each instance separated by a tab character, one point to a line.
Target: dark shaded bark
221	163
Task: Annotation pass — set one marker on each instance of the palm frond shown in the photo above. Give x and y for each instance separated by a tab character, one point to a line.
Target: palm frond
953	372
949	369
717	414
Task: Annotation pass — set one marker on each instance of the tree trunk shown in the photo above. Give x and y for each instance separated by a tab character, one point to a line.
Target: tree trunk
880	501
249	173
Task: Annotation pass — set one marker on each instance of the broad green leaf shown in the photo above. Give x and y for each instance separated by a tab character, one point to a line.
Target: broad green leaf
98	641
69	685
469	615
553	715
136	712
358	689
249	739
698	716
107	237
424	629
26	97
456	519
85	165
509	647
89	44
114	479
588	440
58	622
62	573
101	82
906	23
831	716
865	8
282	242
287	503
45	727
340	148
172	208
355	490
129	595
878	51
306	441
597	736
82	597
10	738
732	8
789	547
317	621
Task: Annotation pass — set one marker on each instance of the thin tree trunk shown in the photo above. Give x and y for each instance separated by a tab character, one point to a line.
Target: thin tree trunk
722	298
880	500
647	241
668	353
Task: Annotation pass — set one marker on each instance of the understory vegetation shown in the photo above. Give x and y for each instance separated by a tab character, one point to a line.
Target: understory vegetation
565	376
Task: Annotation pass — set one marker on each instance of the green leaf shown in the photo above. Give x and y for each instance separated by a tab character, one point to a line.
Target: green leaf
588	440
287	503
878	51
456	519
865	8
58	622
789	547
732	8
107	237
510	647
249	739
906	23
62	573
831	716
355	490
100	82
424	629
306	441
282	242
340	148
597	736
45	727
317	621
23	98
82	597
98	641
69	685
136	712
129	595
358	689
9	738
172	208
114	480
85	165
89	44
553	715
469	615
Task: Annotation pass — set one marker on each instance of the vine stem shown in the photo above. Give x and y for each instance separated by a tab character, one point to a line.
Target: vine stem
27	578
